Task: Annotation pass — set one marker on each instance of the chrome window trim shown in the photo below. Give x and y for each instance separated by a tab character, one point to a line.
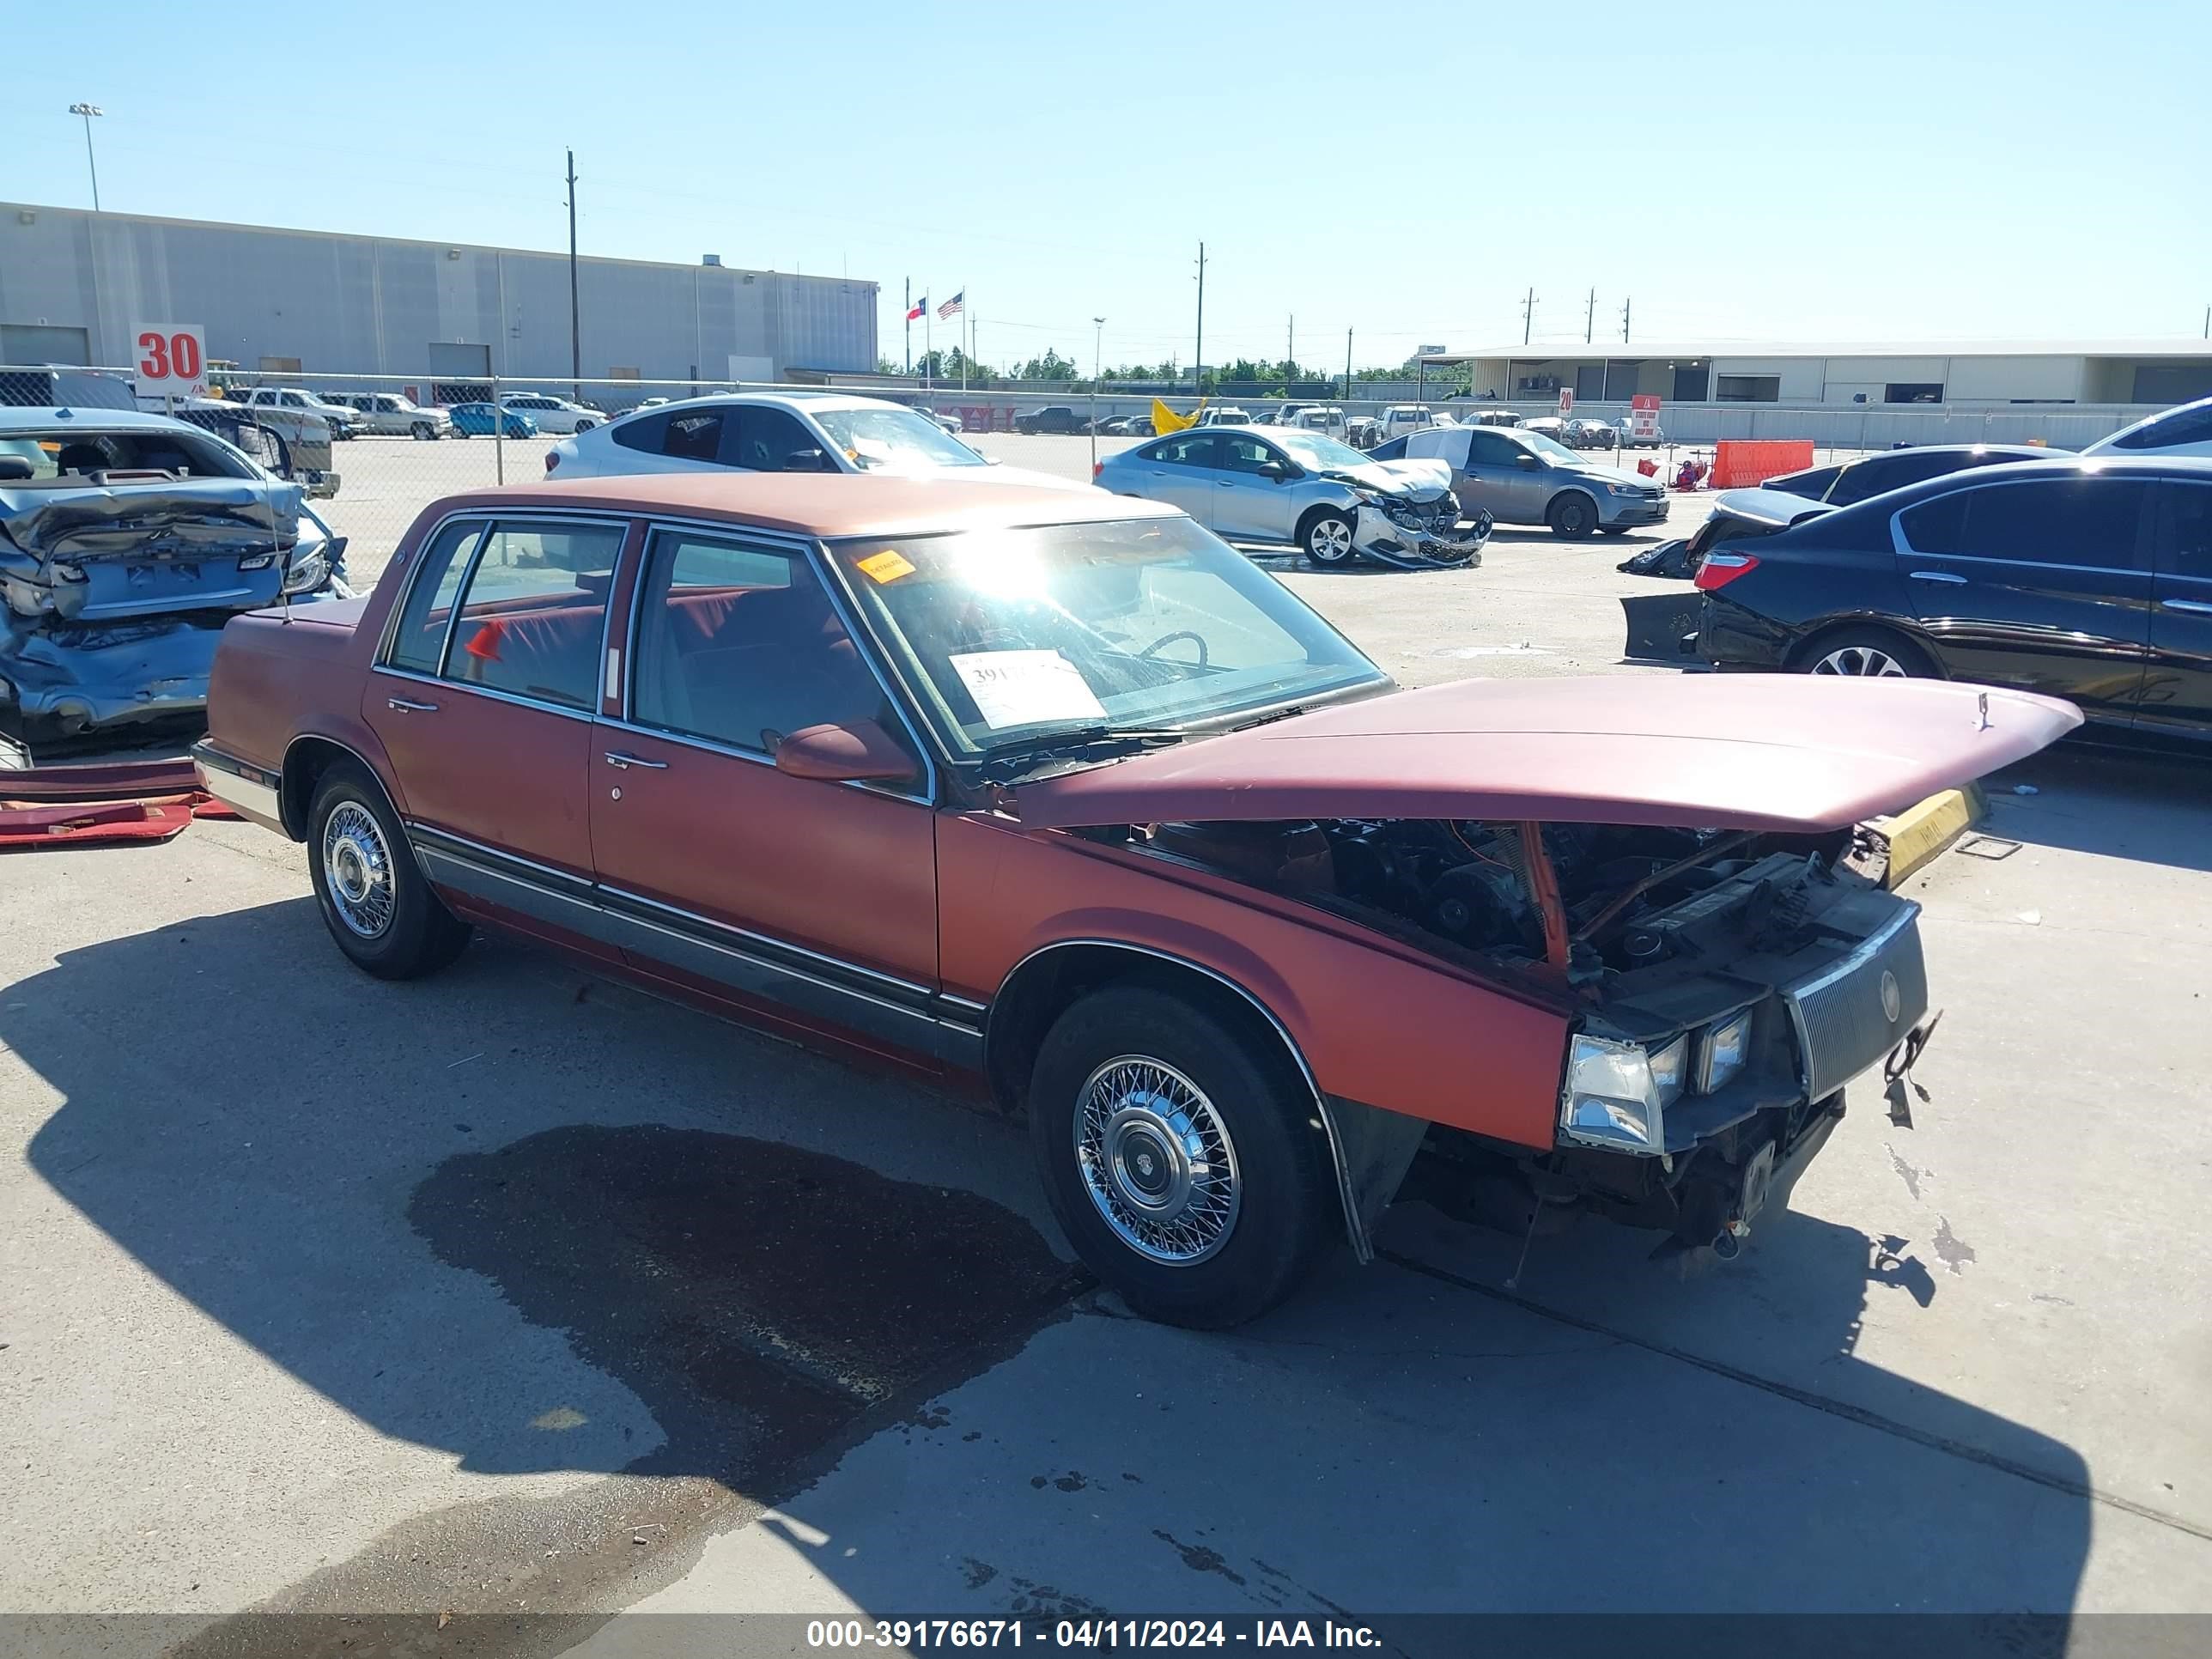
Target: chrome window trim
815	556
1363	1248
492	518
492	693
1901	544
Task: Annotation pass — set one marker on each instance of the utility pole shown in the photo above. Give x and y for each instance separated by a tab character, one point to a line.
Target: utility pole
1289	352
1625	305
575	319
1527	316
909	326
1198	362
1097	334
1347	365
88	111
1590	320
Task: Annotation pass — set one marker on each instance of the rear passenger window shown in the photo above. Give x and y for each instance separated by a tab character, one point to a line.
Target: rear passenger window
767	439
741	647
533	613
696	437
2185	539
648	433
1938	525
419	642
2093	522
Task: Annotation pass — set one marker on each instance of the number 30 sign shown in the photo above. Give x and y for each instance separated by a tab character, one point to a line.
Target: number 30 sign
172	359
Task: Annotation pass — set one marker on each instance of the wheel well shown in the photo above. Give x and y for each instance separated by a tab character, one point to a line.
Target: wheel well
1818	640
1552	505
1040	989
305	764
1306	519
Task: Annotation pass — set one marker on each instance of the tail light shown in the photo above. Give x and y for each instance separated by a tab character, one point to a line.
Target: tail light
1096	467
552	460
1719	570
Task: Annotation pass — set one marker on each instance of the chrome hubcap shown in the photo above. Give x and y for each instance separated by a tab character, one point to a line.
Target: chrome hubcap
357	870
1863	660
1157	1160
1330	540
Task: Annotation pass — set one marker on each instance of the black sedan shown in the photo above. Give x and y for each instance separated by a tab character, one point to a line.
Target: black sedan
2089	579
1847	482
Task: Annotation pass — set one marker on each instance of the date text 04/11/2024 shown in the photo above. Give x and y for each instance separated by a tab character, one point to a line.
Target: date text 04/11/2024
922	1633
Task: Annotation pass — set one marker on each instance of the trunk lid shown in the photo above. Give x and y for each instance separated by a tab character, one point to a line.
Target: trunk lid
110	550
1784	753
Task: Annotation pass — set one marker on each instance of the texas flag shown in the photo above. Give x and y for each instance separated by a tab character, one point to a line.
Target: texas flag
918	308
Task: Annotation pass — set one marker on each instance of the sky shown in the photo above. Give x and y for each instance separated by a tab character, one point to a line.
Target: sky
1406	172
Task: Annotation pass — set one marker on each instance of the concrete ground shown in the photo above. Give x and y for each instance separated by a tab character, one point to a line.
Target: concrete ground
516	1296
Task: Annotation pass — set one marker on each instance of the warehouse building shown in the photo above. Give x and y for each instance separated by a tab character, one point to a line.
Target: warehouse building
76	286
1979	375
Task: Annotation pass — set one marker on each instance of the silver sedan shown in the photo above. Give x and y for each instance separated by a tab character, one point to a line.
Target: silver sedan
1279	485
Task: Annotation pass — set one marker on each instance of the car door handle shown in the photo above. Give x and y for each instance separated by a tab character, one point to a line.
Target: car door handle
405	706
615	757
1937	576
2199	606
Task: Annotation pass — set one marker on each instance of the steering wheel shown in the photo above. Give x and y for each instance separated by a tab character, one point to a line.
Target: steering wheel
1146	655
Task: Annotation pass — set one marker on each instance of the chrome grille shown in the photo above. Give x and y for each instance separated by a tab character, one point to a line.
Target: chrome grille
1843	1015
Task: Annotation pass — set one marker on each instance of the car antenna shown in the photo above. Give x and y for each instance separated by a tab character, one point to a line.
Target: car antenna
1984	726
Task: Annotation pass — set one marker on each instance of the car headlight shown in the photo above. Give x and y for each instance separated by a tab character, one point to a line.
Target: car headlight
310	566
1624	490
1722	1053
1617	1092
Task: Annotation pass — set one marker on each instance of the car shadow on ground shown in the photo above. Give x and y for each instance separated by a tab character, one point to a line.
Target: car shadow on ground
2091	795
507	1214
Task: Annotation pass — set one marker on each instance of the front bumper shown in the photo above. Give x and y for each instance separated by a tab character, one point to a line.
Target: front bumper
252	792
1620	510
1413	541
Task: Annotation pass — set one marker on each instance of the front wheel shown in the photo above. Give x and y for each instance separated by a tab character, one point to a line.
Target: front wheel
375	898
1613	530
584	426
1573	515
422	431
1327	540
1183	1160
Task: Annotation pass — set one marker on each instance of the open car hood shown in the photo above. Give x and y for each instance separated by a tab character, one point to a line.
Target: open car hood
1770	753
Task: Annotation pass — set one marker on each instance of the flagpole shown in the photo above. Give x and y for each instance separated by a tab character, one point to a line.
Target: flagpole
968	316
928	351
909	326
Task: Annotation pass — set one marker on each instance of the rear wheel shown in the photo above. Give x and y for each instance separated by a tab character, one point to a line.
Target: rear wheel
1613	530
585	425
1181	1158
1325	538
375	898
1874	654
1573	515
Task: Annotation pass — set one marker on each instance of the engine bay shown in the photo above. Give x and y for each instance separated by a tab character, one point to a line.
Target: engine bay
1641	904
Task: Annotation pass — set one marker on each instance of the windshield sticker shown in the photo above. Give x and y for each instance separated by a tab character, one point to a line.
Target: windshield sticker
1019	688
887	566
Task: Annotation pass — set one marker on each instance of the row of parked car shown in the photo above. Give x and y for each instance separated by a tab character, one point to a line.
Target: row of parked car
390	414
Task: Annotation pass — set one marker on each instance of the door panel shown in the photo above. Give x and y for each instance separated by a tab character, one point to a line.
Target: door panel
820	896
2177	691
1496	480
1247	503
484	708
1181	471
2043	585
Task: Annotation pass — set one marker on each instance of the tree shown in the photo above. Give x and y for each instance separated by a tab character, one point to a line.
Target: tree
1050	366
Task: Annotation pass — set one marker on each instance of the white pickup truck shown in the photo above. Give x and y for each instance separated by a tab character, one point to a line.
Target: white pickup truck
343	422
394	415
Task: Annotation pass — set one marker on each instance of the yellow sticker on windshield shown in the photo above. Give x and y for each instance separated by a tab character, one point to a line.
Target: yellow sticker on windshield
887	566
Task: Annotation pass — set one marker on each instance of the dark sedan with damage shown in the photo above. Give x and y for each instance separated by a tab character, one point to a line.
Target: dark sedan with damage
1053	792
2089	579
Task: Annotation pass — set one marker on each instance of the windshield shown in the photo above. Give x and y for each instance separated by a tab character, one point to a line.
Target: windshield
1550	448
1010	634
893	440
1317	452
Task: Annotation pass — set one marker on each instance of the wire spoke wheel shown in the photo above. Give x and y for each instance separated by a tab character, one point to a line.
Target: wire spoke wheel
1157	1160
357	867
1863	661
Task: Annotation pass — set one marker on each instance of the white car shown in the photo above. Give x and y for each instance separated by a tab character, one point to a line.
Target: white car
2183	430
553	414
390	412
780	432
1401	418
1225	415
1320	418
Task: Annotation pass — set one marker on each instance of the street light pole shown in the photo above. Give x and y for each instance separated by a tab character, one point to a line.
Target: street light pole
88	111
1097	333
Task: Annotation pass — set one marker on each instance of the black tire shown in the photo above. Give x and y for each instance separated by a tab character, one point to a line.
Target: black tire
1325	538
1613	530
459	432
1572	514
583	426
1284	1205
422	432
418	935
1860	652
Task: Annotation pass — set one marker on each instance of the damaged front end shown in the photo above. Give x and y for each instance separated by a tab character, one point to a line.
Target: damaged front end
1419	528
114	590
1725	986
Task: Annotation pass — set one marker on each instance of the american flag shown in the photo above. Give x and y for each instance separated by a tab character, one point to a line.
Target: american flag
951	306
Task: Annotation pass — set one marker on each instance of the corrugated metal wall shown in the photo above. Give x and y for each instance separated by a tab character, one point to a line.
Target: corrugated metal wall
369	305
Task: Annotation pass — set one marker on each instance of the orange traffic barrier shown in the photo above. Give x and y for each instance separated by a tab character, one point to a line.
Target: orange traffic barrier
1740	463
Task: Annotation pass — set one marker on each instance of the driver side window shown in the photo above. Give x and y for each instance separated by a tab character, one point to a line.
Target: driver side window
1242	453
1492	449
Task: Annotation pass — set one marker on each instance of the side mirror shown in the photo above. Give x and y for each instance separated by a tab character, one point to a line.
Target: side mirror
1279	470
806	460
1527	462
858	752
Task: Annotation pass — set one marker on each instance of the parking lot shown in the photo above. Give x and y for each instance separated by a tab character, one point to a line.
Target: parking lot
517	1296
